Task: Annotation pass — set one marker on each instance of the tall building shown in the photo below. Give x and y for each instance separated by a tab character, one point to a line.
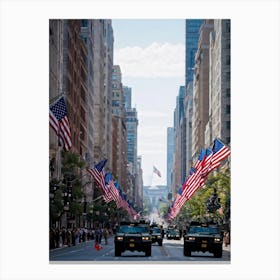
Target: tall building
200	116
192	35
75	84
219	90
188	103
179	131
127	97
55	87
119	131
132	125
170	152
138	198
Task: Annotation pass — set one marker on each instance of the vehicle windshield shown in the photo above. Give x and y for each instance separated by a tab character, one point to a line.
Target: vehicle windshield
206	230
173	231
156	230
133	229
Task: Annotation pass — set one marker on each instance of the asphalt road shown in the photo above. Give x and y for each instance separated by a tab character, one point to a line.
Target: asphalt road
171	251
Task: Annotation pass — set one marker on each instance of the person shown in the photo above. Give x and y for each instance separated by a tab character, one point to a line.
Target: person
52	238
63	236
98	236
227	238
105	235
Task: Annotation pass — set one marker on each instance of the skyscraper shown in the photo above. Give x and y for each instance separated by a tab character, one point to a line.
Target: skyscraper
192	35
170	152
219	89
127	97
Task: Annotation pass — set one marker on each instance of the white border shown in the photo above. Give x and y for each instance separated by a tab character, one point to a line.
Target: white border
24	138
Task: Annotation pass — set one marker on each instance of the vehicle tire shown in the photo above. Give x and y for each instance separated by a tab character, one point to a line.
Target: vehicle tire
117	252
160	243
187	252
148	252
218	254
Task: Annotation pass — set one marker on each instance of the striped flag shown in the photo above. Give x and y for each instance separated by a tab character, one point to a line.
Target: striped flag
59	122
155	170
220	152
207	162
98	174
111	191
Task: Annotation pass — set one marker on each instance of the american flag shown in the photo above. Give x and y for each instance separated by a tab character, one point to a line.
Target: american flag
98	174
111	192
207	162
155	170
59	122
220	152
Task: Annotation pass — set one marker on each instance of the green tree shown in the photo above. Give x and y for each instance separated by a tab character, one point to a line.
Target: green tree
70	185
196	207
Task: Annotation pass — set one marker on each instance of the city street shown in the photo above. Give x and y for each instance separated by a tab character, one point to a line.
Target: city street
171	251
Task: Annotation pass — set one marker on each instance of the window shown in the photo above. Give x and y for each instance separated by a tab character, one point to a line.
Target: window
228	109
228	125
228	92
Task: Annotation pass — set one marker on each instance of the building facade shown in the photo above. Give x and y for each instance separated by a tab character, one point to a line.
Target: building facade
170	152
192	35
119	130
200	116
55	88
219	95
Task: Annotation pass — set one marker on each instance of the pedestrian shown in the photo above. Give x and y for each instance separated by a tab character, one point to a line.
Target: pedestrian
52	238
57	238
98	236
105	235
63	235
77	236
73	233
227	239
68	237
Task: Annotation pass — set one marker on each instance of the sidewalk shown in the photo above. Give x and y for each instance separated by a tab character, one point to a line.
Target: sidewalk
226	248
80	244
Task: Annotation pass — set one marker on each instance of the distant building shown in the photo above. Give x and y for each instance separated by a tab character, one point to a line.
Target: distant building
179	142
119	131
170	152
132	127
127	97
192	35
155	194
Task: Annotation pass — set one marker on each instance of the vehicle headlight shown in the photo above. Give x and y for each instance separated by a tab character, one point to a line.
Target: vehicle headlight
159	236
191	238
145	238
217	239
120	238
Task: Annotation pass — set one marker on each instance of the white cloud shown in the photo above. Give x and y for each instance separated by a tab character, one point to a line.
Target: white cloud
158	60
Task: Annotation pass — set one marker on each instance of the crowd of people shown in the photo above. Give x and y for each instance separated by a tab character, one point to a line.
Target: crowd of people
71	237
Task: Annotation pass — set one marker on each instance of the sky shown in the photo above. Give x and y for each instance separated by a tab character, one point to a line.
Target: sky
151	55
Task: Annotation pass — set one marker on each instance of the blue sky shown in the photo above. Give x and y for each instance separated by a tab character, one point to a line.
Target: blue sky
143	32
151	57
